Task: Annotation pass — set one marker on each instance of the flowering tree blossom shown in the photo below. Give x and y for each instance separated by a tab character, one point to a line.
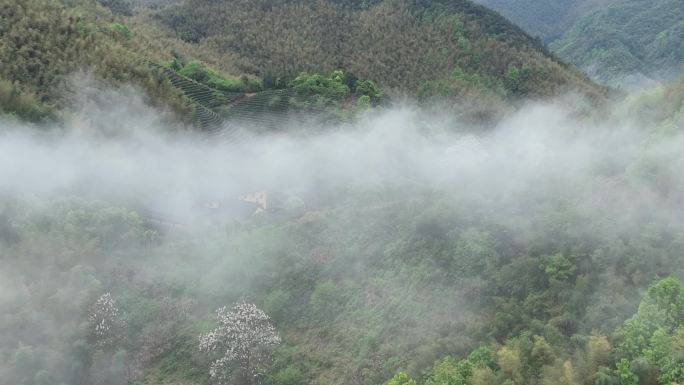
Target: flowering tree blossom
243	339
104	318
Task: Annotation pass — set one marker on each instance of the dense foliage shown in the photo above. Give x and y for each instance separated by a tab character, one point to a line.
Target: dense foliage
200	72
44	44
368	302
385	282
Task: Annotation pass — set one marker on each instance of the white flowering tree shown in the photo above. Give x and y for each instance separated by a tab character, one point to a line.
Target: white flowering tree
104	320
243	340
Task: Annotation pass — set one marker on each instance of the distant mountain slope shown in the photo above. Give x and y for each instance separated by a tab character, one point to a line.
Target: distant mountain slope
427	47
664	105
626	43
547	19
629	42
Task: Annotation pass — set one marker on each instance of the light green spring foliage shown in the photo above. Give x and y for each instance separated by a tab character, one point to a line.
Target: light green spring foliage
324	89
120	31
369	89
401	378
649	348
651	335
476	368
200	72
448	372
660	313
315	90
625	374
558	267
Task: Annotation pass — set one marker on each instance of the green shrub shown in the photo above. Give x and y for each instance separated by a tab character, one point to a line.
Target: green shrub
288	376
327	301
277	303
120	31
323	90
512	79
558	267
401	378
200	72
364	103
22	104
368	88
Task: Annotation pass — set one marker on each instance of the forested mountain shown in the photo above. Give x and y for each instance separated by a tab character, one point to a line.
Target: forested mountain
442	50
628	42
427	48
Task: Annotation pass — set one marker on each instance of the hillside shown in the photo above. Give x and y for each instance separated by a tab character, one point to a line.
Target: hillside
425	48
628	43
454	54
45	47
50	50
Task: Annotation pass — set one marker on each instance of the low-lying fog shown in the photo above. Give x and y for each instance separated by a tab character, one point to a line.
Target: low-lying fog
117	149
614	174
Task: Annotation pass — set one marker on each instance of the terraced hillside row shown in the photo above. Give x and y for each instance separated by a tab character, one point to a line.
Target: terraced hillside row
205	100
217	112
202	98
267	109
